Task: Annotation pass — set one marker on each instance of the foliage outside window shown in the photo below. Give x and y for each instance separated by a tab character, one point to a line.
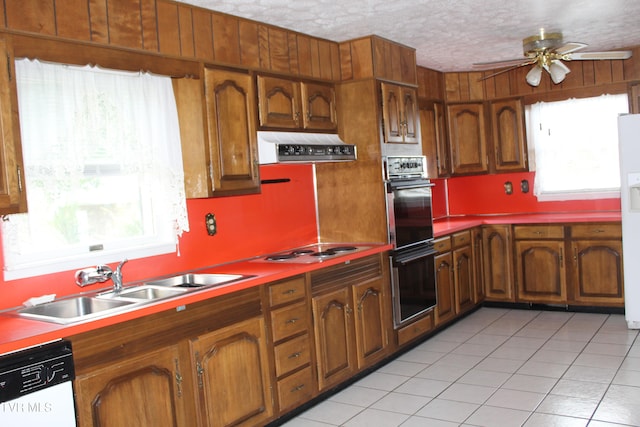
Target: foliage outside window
573	147
103	169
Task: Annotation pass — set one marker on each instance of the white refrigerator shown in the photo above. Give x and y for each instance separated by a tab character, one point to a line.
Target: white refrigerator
629	140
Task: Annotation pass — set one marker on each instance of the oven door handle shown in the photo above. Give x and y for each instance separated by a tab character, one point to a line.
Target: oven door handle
409	186
405	259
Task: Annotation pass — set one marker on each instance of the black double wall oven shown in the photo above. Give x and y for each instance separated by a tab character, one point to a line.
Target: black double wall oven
410	226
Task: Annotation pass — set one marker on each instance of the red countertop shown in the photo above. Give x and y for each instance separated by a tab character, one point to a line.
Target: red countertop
444	226
18	332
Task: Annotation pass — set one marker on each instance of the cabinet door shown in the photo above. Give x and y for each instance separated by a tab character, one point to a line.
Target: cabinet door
333	328
318	106
467	138
498	273
463	278
597	272
279	103
434	140
370	317
509	143
478	262
146	390
233	158
541	276
446	308
410	116
13	198
233	375
392	120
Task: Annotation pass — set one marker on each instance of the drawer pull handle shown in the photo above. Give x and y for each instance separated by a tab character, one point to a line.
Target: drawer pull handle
295	355
289	292
598	230
538	233
292	320
297	388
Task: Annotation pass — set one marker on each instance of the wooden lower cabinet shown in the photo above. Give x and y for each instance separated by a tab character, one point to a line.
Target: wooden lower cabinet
333	326
541	270
574	264
596	274
463	271
498	264
146	390
371	316
446	298
352	319
455	268
233	380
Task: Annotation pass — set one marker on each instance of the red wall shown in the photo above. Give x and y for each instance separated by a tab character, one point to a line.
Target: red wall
281	217
485	195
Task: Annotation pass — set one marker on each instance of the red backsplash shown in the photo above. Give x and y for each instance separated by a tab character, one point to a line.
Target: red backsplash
485	195
282	216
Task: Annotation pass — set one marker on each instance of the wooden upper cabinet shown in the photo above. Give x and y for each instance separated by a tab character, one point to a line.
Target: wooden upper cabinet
509	143
319	106
467	138
434	139
400	115
232	148
295	105
279	103
12	192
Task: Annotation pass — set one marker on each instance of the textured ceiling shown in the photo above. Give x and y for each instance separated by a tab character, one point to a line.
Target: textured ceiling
450	35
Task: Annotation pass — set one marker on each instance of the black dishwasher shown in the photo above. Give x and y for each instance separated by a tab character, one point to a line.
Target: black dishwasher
36	388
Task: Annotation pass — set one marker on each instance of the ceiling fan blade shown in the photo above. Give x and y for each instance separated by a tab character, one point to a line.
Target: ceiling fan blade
507	69
569	47
492	65
586	56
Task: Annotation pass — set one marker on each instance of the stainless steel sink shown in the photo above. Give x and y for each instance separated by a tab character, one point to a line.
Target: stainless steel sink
73	309
198	280
143	293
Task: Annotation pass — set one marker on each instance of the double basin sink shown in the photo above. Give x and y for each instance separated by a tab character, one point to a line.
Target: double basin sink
82	308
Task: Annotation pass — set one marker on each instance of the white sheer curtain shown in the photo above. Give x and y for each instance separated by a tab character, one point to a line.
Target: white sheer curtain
573	147
103	163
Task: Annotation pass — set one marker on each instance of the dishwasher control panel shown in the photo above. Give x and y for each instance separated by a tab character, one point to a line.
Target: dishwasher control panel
34	369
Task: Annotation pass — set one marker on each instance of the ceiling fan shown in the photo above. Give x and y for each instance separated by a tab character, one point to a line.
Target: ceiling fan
547	51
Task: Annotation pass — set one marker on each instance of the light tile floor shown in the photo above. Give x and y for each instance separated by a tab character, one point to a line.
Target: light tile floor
501	368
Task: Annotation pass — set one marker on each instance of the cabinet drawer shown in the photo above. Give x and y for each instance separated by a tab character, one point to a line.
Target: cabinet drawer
415	330
292	354
295	389
443	244
289	320
462	238
539	231
590	231
288	291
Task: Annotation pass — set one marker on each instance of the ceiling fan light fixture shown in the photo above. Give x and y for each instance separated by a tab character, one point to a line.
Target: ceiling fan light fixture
558	71
534	75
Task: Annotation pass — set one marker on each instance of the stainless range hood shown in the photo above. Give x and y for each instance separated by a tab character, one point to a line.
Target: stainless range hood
287	147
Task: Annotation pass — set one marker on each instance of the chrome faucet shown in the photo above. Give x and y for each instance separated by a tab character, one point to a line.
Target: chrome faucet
116	276
101	273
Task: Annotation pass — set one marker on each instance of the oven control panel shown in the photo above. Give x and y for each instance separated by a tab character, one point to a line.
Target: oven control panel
406	167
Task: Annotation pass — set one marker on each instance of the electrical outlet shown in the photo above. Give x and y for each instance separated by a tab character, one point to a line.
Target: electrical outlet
210	222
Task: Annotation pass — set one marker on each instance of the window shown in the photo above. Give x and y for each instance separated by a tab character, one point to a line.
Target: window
103	169
573	147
